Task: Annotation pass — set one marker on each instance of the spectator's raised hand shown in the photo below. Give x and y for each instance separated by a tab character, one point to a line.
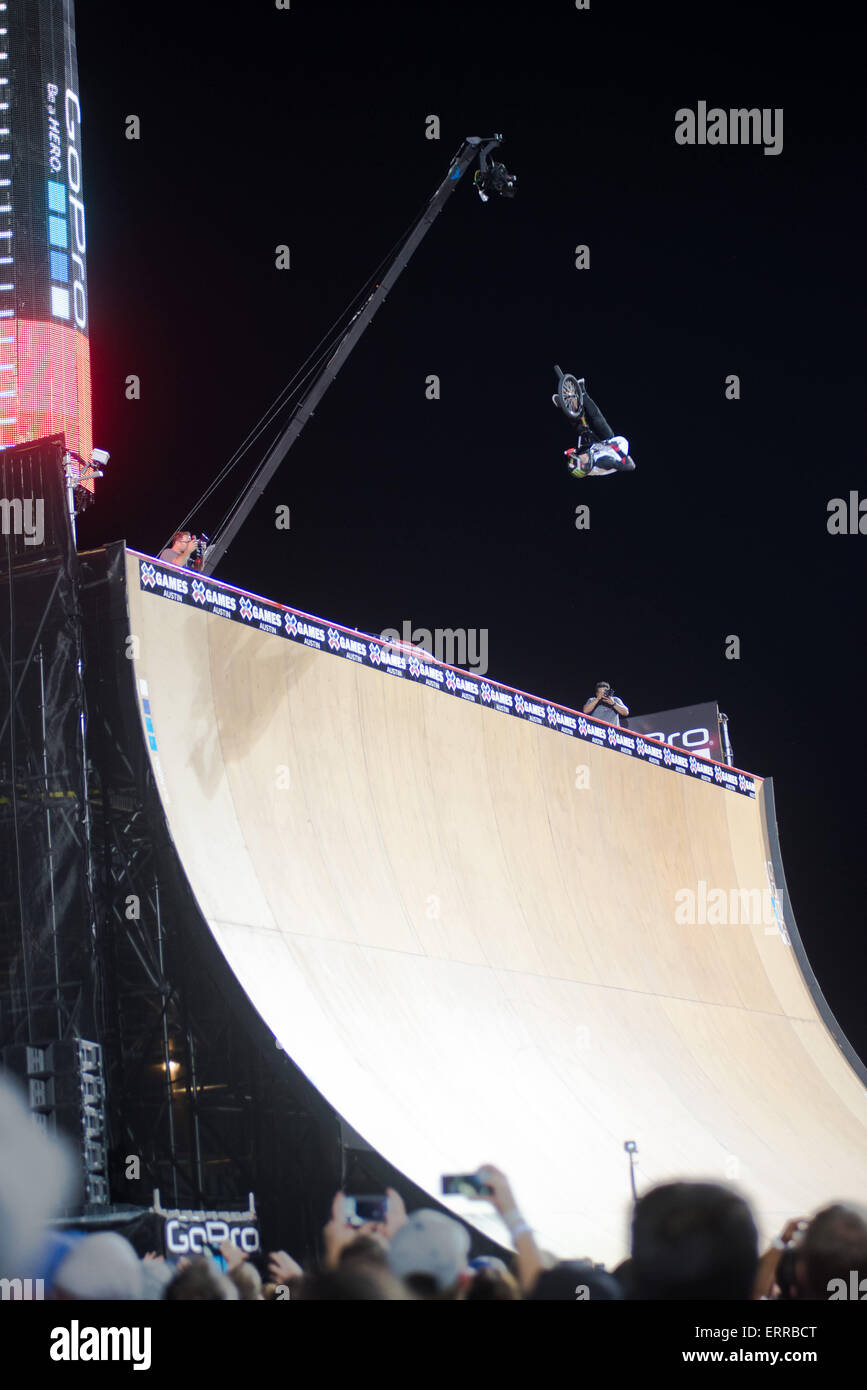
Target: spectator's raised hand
338	1233
282	1267
529	1257
232	1255
501	1194
766	1270
793	1228
395	1214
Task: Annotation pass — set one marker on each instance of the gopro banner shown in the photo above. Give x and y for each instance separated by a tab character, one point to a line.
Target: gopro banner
693	729
411	663
202	1233
175	1233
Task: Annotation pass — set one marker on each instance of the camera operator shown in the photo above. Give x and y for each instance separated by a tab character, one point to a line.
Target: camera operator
181	550
605	705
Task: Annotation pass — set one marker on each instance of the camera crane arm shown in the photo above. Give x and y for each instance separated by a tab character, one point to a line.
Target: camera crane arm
494	179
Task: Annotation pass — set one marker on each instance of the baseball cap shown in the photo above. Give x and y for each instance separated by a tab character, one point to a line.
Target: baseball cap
433	1244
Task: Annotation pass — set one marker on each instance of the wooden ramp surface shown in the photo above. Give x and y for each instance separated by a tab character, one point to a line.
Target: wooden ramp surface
473	958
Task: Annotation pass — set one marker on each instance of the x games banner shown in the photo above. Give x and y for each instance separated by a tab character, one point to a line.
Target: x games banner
395	659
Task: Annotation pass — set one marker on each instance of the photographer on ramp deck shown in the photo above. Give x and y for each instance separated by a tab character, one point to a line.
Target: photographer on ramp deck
605	705
186	551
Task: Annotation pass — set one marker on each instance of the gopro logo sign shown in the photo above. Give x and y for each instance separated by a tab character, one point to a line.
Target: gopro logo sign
67	238
692	739
72	112
693	728
200	1237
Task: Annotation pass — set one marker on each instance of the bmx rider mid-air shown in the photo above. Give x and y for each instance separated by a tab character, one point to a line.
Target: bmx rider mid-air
598	450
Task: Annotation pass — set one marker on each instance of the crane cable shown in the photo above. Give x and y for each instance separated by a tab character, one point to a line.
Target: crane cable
331	339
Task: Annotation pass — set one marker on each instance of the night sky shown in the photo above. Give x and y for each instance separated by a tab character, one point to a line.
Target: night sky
306	127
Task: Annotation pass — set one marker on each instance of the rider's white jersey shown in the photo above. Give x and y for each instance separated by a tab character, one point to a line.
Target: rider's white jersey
600	453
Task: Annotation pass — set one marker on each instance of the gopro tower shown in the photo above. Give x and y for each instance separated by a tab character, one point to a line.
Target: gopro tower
44	322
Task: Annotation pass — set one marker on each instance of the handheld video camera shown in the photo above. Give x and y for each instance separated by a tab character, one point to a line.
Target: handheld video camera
197	558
